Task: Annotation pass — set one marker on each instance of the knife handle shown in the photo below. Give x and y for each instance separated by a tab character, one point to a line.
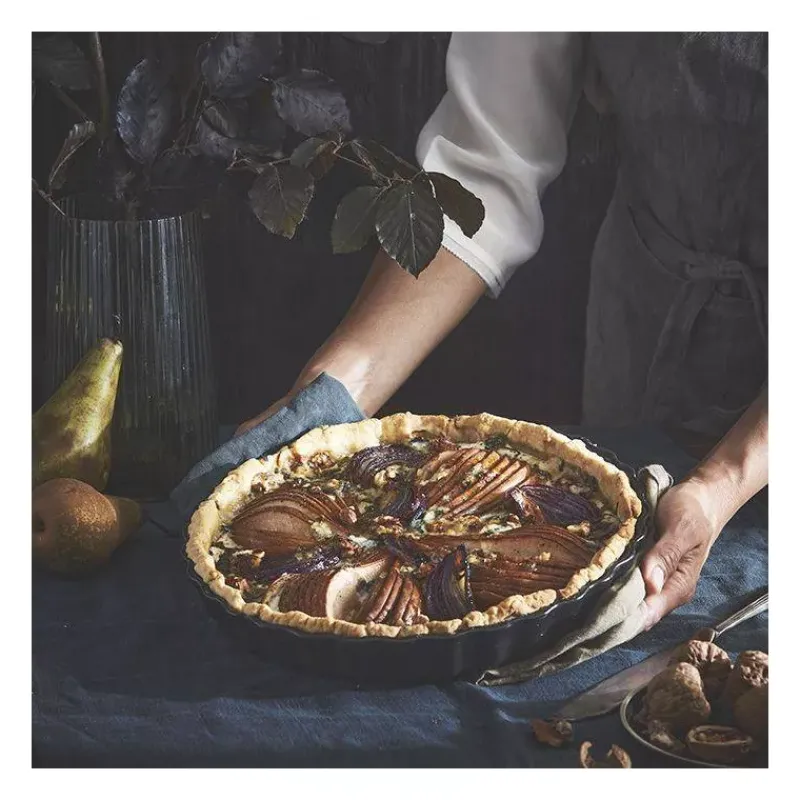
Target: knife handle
750	610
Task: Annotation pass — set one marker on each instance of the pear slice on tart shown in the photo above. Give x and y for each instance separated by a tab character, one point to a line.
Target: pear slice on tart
469	521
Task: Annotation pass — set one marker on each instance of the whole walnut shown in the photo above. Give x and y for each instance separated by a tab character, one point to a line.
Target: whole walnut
751	712
712	662
750	670
675	697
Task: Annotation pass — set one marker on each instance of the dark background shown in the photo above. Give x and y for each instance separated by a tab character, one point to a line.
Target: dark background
272	301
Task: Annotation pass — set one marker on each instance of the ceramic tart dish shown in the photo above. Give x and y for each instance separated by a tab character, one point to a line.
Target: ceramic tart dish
417	547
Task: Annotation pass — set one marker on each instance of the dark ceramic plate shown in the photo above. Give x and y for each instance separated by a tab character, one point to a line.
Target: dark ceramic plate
422	659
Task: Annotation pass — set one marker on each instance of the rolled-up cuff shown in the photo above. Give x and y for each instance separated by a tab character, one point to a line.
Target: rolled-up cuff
475	257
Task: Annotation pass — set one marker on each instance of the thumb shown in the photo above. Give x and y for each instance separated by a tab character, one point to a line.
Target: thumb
659	563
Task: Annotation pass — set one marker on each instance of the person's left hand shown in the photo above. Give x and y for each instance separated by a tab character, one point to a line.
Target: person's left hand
686	527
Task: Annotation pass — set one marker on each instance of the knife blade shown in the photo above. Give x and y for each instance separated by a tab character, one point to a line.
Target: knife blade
608	694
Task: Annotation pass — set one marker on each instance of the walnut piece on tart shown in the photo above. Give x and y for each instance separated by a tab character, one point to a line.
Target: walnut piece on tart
412	525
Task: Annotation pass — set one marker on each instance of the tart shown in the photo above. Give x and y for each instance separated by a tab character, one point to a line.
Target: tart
412	525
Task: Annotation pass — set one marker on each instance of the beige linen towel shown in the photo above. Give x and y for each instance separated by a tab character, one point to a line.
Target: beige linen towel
618	619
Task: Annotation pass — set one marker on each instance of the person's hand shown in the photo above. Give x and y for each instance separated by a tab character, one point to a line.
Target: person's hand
251	423
686	527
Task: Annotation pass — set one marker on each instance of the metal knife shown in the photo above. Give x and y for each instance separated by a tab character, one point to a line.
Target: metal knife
608	694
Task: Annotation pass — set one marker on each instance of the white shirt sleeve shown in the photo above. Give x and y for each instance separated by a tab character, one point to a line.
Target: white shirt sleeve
501	130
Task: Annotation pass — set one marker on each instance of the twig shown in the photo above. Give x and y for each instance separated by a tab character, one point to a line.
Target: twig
46	197
195	114
245	164
200	86
406	163
184	120
360	165
69	102
105	103
363	167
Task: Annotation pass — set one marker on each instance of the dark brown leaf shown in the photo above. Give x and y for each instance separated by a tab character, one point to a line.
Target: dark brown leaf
311	103
145	111
220	127
233	62
237	125
354	223
60	61
381	161
409	224
280	196
78	136
316	155
458	203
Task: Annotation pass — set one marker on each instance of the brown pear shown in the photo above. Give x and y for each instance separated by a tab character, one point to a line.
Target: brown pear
72	430
76	529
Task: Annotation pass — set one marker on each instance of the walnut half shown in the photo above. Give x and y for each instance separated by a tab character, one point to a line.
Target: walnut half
615	757
719	743
555	732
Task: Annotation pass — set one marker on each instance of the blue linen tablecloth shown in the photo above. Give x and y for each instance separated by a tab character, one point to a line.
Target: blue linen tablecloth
129	669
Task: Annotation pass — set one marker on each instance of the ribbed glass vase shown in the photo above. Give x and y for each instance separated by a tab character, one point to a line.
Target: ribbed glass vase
141	282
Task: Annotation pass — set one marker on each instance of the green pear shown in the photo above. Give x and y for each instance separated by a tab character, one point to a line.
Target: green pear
72	430
76	529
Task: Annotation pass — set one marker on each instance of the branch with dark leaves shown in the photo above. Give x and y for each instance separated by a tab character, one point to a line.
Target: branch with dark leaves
232	110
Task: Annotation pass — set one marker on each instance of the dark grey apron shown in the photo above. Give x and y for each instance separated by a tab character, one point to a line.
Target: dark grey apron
677	320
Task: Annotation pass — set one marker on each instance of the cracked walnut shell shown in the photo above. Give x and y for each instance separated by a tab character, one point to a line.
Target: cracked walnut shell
750	670
712	662
676	697
719	743
615	757
555	732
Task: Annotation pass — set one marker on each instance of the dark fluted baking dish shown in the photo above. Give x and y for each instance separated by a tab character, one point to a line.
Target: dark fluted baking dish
431	658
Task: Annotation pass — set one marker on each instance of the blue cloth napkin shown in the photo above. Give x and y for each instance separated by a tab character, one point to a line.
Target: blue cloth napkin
325	401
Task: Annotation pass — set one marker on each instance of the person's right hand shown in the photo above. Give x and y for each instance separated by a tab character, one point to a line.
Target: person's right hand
251	423
394	323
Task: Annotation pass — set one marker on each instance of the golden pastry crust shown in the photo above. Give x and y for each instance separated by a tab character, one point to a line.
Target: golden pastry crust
340	441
